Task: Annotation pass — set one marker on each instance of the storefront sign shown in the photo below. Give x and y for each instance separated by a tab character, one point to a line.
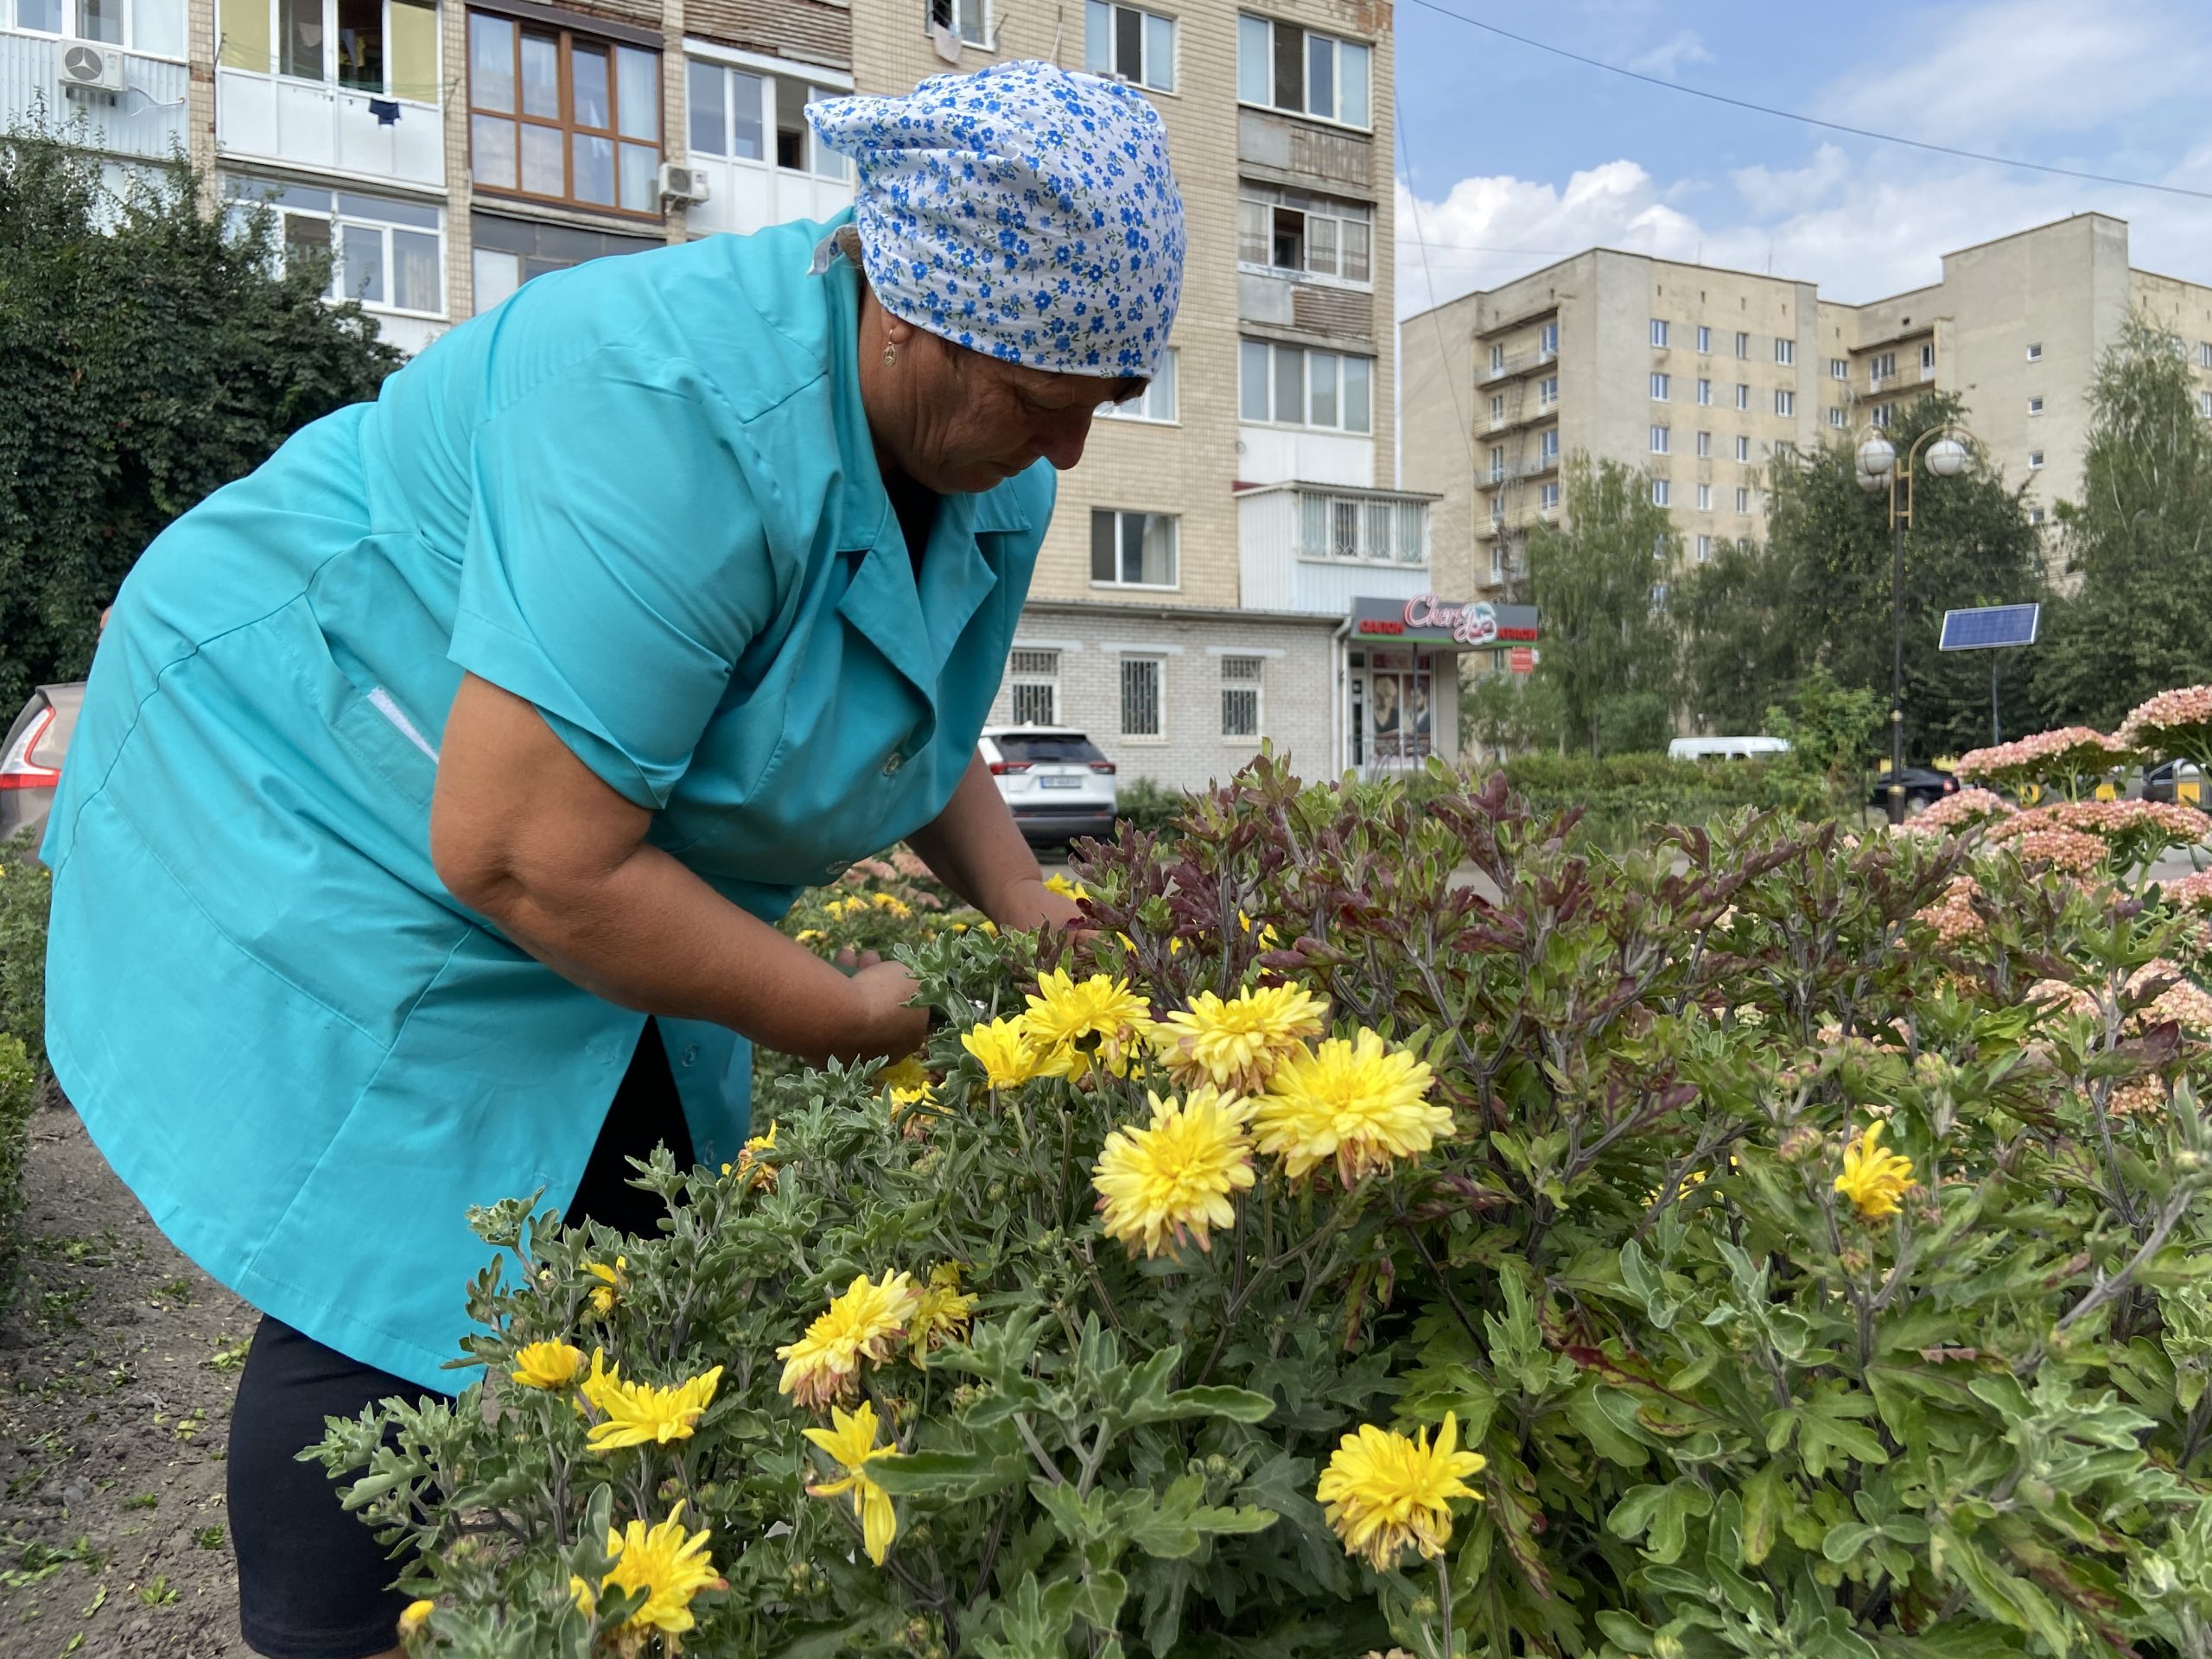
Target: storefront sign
1429	619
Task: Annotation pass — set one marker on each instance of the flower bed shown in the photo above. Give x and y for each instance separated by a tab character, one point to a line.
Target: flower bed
1769	1244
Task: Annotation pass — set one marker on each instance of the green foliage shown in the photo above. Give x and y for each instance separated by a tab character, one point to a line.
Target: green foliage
1831	733
1622	799
26	891
1147	805
146	358
1608	656
1744	642
2139	537
19	1081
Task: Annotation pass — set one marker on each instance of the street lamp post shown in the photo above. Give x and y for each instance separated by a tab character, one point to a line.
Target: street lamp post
1878	465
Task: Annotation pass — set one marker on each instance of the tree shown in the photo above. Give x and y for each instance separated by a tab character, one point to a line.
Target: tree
1608	655
147	355
1970	544
1743	646
2139	538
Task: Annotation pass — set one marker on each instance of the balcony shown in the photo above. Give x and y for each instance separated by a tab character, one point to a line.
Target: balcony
743	196
326	128
1314	548
146	118
1518	363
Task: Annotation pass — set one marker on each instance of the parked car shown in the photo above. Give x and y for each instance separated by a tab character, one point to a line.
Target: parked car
1056	781
30	760
1727	748
1923	787
2176	780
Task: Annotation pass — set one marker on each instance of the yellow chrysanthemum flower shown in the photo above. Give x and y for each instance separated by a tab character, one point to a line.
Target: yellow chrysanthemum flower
898	909
603	1376
1360	1102
1382	1492
753	1172
414	1616
602	1299
1058	883
1074	1028
1173	1180
867	1322
1873	1177
580	1594
850	1439
810	935
942	1316
547	1364
637	1413
668	1564
1236	1043
1003	1047
1266	937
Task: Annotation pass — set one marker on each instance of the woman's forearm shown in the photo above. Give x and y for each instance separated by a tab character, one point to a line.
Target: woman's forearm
976	849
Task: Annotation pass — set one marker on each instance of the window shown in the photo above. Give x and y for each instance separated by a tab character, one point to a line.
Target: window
1785	450
1156	402
1704	549
2035	405
1743	345
2204	405
1658	331
964	18
2035	515
1742	448
1704	391
389	254
1704	338
1705	498
1132	550
1882	368
511	251
1355	527
1882	414
1290	385
385	46
1785	403
1785	351
1138	46
2035	460
1927	358
1704	445
2204	353
1287	67
1549	498
1743	499
1547	340
562	116
1743	396
1497	361
1659	384
1659	440
1033	686
1548	391
1658	492
1498	509
1836	418
1497	463
1289	230
1141	695
2034	352
1497	409
1240	696
1839	368
1496	565
1548	444
1658	595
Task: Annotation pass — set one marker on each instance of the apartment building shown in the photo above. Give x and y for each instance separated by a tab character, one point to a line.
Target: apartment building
1700	376
1229	565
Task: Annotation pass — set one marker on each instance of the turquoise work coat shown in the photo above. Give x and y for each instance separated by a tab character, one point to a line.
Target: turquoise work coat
640	494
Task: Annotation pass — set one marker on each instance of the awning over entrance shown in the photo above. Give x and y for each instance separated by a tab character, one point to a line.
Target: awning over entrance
1429	620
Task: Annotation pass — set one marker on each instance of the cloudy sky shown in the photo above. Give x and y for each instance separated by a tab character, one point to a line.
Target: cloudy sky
1515	157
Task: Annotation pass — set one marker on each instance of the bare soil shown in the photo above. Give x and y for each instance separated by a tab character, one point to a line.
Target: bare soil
117	1364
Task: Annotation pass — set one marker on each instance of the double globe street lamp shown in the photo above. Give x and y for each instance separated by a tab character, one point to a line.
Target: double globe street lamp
1949	449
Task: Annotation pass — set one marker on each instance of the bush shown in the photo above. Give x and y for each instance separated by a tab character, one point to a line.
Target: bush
1773	1243
1624	798
26	890
19	1081
1144	803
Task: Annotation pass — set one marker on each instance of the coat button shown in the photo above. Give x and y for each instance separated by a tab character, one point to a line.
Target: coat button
891	766
691	1053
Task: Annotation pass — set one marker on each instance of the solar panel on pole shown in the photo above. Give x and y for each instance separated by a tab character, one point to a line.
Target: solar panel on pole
1990	626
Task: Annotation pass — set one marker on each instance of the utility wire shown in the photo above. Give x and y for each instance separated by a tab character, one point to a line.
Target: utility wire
1809	120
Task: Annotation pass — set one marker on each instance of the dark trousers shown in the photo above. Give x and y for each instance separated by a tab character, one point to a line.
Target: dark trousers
312	1581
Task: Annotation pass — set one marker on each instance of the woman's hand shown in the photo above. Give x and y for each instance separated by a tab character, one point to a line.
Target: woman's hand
976	849
883	1024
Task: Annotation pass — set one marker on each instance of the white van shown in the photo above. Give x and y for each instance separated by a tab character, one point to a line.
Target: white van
1725	748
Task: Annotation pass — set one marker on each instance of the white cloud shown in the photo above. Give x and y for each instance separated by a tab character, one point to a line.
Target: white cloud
1666	59
1986	71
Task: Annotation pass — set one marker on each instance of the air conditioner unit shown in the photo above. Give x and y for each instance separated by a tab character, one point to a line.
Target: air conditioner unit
687	184
86	65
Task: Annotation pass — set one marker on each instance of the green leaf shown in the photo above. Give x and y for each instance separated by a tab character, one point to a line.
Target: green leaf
1766	1495
1172	1524
955	1477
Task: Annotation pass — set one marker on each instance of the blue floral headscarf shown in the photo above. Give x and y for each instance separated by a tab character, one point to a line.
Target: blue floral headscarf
1022	212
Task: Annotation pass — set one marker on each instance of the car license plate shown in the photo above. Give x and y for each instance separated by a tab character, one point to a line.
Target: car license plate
1059	783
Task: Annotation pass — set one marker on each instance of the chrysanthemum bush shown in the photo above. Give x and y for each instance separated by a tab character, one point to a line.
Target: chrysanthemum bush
1712	1251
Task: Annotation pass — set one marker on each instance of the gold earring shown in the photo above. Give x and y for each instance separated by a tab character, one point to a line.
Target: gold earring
890	353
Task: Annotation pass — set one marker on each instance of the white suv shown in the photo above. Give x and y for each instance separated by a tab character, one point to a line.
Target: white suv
1056	781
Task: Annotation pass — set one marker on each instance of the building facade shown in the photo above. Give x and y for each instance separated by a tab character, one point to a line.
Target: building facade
1699	376
1200	586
